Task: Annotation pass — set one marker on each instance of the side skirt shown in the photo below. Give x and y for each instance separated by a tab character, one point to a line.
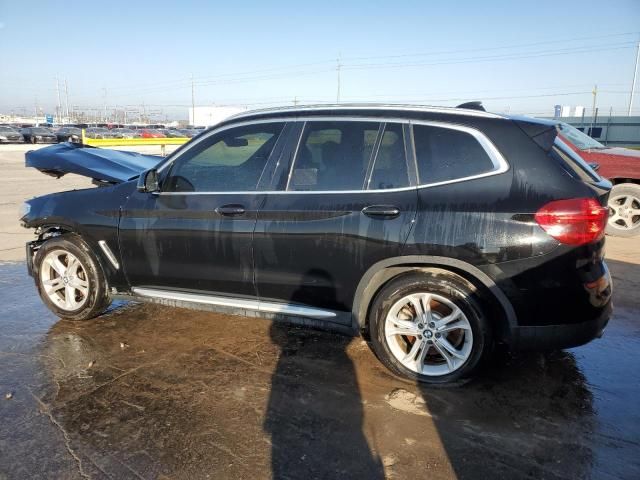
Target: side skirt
289	313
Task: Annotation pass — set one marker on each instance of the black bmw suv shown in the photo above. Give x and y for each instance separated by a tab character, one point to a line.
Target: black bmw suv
435	232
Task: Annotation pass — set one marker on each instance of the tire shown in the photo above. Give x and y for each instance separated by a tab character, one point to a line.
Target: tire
446	293
624	210
85	279
33	140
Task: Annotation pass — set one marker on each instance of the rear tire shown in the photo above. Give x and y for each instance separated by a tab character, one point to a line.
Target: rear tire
624	210
444	343
69	278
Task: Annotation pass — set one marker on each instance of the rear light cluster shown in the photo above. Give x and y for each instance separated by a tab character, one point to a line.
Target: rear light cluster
576	221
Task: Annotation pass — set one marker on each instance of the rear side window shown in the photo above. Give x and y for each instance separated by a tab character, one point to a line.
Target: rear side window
333	156
390	167
446	154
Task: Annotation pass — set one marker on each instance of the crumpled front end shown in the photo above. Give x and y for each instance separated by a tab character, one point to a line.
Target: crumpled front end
104	165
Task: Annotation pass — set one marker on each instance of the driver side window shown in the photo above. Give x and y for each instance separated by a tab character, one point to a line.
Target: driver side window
232	160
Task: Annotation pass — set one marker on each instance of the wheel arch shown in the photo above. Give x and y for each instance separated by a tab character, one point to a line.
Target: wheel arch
503	314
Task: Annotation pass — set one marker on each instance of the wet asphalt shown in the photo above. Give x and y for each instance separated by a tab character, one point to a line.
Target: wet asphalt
148	391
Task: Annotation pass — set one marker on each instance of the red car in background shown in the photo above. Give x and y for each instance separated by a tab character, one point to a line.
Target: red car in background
619	165
151	133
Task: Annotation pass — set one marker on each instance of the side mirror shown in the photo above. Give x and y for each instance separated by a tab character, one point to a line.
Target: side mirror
148	181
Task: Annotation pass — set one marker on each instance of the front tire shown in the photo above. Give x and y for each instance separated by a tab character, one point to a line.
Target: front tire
69	278
624	210
429	327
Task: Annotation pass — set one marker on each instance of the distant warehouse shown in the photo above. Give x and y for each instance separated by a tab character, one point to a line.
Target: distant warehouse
614	131
209	116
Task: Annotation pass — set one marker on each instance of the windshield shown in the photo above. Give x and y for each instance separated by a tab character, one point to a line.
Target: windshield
7	130
40	130
579	139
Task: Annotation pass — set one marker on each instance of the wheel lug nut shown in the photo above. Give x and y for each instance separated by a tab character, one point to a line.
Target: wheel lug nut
432	324
429	341
419	337
437	335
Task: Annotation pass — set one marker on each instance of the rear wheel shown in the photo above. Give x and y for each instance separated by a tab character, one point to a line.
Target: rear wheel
624	210
429	328
69	278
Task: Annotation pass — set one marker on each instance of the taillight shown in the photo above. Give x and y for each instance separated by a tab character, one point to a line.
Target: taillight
576	221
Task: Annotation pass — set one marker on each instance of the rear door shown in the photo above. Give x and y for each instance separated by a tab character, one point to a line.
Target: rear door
343	201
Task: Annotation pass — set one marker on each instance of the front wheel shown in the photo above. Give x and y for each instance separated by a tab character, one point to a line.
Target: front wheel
624	210
69	278
429	327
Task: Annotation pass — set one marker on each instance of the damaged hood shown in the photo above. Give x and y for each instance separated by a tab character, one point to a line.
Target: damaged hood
101	164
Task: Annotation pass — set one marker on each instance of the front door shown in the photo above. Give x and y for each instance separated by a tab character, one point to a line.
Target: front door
346	203
196	234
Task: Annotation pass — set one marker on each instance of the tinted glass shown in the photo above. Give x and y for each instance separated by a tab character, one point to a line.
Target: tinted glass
390	167
333	156
445	154
232	160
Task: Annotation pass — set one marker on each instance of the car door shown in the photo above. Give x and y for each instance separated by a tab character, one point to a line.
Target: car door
196	233
343	201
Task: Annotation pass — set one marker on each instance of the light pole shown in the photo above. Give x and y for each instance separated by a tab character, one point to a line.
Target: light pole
633	83
193	104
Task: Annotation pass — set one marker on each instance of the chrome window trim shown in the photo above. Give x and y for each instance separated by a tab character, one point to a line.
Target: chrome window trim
499	162
234	302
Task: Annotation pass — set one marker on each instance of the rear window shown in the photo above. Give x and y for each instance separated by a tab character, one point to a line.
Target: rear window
573	163
446	154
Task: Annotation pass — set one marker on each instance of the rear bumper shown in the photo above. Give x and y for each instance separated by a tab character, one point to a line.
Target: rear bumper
554	337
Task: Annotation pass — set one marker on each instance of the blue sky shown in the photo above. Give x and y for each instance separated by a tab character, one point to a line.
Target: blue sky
518	56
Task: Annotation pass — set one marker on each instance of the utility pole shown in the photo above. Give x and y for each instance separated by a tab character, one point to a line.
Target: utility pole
104	100
59	106
338	66
633	83
295	100
66	94
193	103
593	109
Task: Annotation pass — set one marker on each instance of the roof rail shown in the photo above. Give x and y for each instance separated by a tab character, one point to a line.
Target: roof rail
368	106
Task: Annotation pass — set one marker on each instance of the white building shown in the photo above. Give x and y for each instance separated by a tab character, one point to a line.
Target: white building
208	116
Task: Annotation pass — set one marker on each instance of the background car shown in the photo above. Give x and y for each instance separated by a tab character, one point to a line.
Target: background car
69	134
171	133
189	132
125	133
99	132
151	133
619	165
10	135
38	135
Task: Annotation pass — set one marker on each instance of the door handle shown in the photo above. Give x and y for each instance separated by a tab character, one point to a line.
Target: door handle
231	210
381	211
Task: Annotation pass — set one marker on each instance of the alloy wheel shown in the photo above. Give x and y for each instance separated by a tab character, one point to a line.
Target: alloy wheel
428	334
64	280
624	212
